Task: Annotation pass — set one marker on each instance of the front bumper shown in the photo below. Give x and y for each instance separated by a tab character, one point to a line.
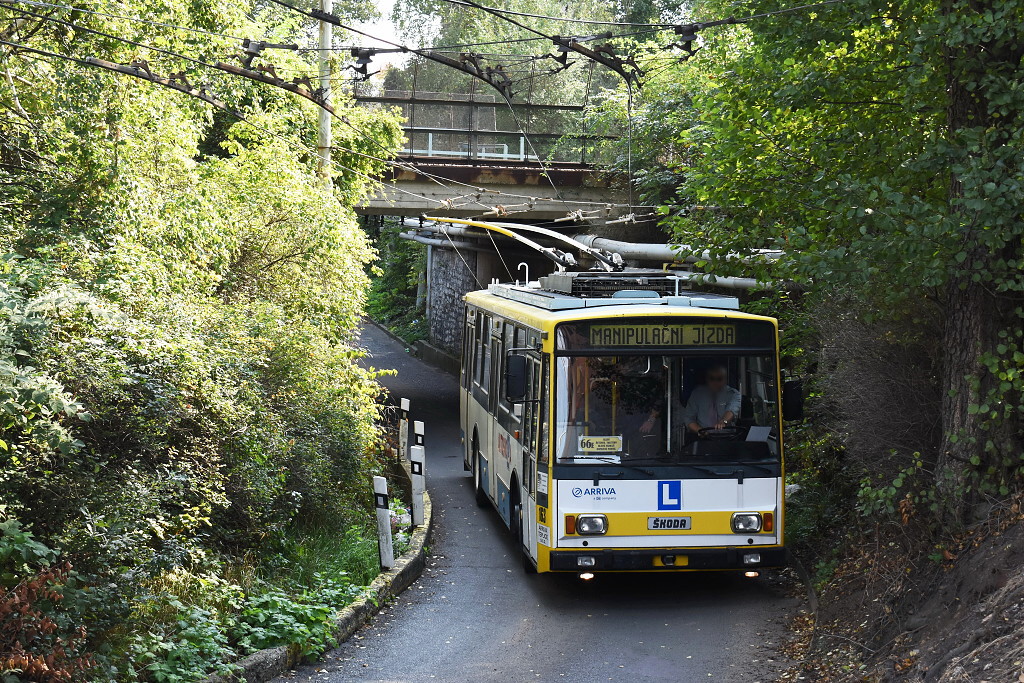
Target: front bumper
616	559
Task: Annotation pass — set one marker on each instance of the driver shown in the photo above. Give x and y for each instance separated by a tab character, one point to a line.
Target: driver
714	404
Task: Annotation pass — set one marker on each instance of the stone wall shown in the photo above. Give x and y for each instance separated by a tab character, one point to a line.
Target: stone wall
450	280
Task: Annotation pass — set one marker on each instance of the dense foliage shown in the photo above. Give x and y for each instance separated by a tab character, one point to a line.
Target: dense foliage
181	416
879	146
397	295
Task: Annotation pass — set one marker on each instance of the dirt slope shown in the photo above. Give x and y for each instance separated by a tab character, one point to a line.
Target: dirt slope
892	613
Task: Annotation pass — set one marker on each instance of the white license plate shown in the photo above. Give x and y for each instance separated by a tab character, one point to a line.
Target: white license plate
668	523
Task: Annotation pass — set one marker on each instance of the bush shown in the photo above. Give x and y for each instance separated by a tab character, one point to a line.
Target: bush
179	386
189	646
305	621
39	638
392	299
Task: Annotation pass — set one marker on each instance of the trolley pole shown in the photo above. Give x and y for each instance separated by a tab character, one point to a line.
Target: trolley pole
324	121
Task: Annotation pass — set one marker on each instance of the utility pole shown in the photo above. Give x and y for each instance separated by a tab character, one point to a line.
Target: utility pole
324	127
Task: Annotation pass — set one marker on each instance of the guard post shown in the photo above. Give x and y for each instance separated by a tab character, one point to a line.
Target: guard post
417	428
381	502
403	430
417	457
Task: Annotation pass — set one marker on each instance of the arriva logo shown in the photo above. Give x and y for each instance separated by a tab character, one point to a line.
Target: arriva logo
596	491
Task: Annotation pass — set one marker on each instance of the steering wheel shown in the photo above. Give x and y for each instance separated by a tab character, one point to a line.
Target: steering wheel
724	434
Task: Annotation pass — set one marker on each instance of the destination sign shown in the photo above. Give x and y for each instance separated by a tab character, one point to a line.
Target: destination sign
662	335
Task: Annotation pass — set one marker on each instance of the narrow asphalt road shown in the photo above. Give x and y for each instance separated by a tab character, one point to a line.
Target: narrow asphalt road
475	616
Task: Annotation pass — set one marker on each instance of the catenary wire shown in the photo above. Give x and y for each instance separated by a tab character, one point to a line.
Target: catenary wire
79	27
241	117
507	100
390	162
39	3
439	180
562	19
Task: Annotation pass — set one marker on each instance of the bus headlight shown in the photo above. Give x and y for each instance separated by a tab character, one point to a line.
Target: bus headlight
746	522
591	525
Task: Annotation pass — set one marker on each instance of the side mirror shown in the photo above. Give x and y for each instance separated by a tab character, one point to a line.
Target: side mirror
793	399
515	378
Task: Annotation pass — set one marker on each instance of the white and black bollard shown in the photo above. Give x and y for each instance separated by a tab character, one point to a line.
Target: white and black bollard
381	502
417	428
417	457
403	430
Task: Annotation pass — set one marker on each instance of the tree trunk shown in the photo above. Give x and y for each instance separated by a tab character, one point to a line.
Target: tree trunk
975	312
968	333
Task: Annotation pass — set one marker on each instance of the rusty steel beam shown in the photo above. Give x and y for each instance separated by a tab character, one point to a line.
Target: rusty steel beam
465	103
500	173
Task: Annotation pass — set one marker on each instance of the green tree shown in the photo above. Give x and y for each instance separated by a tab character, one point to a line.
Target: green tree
880	147
179	390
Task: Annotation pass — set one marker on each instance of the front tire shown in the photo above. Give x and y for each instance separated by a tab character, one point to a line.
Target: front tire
481	496
519	534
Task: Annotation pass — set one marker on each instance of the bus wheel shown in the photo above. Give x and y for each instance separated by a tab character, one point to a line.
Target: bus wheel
481	497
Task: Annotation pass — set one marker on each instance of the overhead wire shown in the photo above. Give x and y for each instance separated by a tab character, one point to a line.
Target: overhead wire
241	117
151	22
512	109
507	14
545	16
507	99
458	253
437	47
391	162
788	10
79	27
540	35
460	46
288	141
495	10
500	255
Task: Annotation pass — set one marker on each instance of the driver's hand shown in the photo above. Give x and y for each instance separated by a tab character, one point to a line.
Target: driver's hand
721	424
647	426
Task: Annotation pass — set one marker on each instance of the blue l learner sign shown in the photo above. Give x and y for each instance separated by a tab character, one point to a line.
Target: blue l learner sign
670	495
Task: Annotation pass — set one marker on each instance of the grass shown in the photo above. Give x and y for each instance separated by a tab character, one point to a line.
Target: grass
326	552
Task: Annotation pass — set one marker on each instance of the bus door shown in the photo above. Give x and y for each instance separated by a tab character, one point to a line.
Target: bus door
466	384
528	485
535	462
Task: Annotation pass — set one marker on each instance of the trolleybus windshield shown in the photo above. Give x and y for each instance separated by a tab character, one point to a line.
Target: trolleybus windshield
655	392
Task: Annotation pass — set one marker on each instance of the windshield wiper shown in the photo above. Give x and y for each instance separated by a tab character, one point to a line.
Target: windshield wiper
748	463
610	461
724	469
644	470
708	469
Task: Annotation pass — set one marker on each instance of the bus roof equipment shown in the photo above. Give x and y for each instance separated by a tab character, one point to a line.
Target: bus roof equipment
609	277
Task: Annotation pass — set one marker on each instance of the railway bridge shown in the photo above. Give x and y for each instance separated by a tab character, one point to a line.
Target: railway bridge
470	153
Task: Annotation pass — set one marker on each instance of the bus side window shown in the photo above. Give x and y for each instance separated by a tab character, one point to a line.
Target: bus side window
482	365
510	334
485	342
467	349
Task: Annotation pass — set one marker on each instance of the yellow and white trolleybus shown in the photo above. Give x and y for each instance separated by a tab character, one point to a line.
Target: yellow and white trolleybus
618	422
